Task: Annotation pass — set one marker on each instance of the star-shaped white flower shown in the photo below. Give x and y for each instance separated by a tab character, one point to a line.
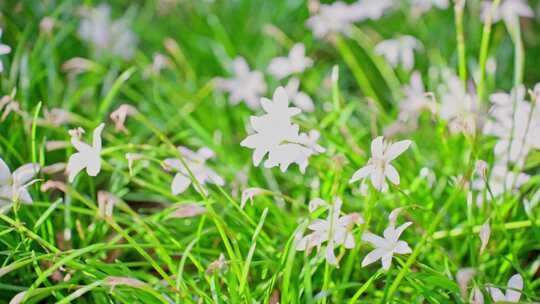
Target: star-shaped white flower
295	63
416	99
196	162
245	85
371	9
388	245
457	106
87	156
399	50
278	137
299	98
13	186
4	49
419	7
334	18
513	292
335	231
378	167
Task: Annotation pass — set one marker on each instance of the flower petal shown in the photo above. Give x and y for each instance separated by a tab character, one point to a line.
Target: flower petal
179	184
396	149
361	173
496	294
392	174
377	147
5	174
25	173
373	256
514	284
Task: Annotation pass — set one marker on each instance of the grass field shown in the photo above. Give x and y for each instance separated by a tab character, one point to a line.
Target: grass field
176	151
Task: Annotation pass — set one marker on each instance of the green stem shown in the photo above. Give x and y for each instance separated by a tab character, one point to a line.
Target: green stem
458	18
484	48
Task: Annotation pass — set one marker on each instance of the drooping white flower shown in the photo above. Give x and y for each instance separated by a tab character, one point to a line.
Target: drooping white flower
245	85
388	245
278	137
485	231
105	35
196	162
4	49
399	51
419	7
87	156
334	231
513	292
299	98
378	167
416	99
508	10
13	186
334	18
119	116
295	63
187	210
248	194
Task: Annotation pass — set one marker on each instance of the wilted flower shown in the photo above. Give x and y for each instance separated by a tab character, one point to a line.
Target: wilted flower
4	49
216	265
13	186
245	85
480	167
388	245
87	156
485	231
57	116
196	164
300	99
335	230
119	116
278	137
513	292
51	184
508	10
187	210
132	157
248	194
463	277
399	50
105	35
106	202
378	166
296	62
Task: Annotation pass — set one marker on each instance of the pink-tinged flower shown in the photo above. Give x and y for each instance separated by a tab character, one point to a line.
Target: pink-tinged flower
477	296
295	63
119	116
106	202
187	210
278	137
378	167
399	51
386	246
334	231
513	291
245	85
248	194
485	231
196	162
13	186
463	277
132	282
87	156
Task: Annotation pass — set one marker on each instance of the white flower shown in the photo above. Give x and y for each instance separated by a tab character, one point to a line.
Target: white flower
477	296
463	277
119	116
399	50
296	62
13	185
371	9
515	122
513	292
335	230
246	85
508	10
388	245
87	156
378	166
4	49
334	18
278	137
485	231
457	106
300	99
419	7
196	164
105	35
416	99
248	194
502	180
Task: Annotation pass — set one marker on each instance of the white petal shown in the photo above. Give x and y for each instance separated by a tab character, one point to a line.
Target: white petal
392	174
396	149
25	173
75	164
386	261
24	196
402	248
373	256
377	147
96	140
5	174
361	173
375	240
93	165
179	184
496	294
377	179
515	283
484	236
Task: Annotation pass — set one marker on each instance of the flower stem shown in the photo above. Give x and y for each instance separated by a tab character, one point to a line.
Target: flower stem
484	48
